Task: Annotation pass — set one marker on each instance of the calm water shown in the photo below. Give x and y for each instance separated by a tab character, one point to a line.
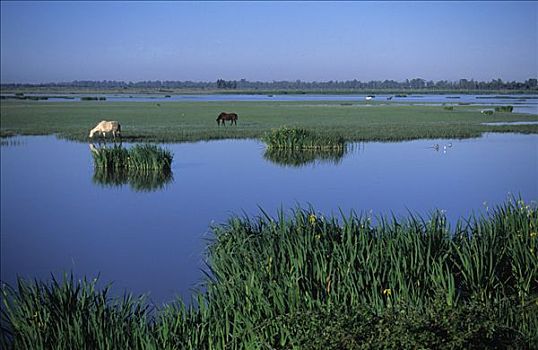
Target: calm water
510	123
58	215
522	103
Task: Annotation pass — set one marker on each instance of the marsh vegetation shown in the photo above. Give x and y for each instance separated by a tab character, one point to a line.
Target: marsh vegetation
143	167
507	109
301	139
137	158
299	280
304	280
194	121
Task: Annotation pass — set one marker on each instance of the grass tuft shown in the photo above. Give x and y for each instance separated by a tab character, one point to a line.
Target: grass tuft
302	139
138	158
507	109
302	157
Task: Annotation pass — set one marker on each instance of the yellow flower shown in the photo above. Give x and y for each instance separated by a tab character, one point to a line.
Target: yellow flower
534	234
387	292
268	266
312	219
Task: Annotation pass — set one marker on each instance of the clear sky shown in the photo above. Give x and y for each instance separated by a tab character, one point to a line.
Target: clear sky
311	41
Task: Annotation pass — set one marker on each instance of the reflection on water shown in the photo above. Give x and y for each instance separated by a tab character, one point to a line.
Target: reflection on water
10	141
303	157
54	218
441	147
522	103
142	180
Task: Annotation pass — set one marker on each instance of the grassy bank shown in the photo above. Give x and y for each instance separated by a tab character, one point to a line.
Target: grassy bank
193	121
304	281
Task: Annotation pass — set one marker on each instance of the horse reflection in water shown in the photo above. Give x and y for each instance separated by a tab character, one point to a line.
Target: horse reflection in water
227	116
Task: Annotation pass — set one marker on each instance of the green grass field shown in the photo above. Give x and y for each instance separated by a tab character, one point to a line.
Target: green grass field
193	121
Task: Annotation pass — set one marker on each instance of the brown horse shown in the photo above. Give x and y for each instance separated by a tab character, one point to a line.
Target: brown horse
227	116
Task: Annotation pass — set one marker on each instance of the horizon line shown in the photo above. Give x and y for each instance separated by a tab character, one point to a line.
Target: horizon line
260	81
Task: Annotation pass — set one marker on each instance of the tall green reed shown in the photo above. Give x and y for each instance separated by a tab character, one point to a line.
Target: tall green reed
507	109
139	157
302	280
300	139
301	157
71	314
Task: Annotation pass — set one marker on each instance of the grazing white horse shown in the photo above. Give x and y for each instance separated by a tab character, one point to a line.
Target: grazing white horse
106	127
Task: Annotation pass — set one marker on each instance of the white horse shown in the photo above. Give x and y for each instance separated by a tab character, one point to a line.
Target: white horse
106	127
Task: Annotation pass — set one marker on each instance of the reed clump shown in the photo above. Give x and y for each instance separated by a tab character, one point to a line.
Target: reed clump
137	158
308	281
70	314
507	109
301	139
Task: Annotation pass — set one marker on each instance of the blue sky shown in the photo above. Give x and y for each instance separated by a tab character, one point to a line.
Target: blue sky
311	41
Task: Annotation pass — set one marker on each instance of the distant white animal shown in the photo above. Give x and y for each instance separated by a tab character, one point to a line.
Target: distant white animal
105	127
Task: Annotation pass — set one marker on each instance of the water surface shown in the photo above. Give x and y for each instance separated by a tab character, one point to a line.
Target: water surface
522	103
57	216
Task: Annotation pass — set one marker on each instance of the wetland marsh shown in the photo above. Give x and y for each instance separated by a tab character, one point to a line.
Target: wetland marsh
165	234
70	216
354	120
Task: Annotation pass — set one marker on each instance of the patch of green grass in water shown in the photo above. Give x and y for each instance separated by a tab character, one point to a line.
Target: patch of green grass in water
138	158
144	167
301	139
507	109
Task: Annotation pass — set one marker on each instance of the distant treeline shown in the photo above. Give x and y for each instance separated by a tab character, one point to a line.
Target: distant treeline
243	84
